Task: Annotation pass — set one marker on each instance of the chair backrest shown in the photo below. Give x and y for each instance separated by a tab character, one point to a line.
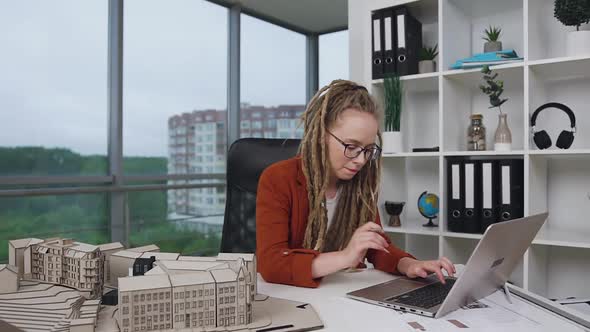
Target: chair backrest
246	159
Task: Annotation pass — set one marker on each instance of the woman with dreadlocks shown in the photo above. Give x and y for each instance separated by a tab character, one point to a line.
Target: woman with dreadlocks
316	213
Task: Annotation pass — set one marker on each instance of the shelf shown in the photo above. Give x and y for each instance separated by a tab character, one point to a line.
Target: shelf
511	72
566	81
404	180
462	235
413	226
416	83
464	23
560	238
547	36
483	153
454	72
559	272
484	8
560	152
411	77
462	97
411	154
437	109
563	68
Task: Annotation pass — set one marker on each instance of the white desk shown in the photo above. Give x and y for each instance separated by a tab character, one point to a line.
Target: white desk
339	313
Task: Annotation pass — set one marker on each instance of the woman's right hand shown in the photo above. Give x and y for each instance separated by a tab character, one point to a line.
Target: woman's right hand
368	236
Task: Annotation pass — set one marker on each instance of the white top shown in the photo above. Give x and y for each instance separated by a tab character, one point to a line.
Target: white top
331	206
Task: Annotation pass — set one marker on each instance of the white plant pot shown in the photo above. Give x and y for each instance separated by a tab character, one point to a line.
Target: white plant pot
426	66
393	142
578	43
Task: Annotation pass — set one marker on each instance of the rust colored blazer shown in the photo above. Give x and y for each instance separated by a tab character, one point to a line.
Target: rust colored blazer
282	209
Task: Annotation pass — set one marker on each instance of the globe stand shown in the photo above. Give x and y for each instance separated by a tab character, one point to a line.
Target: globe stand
430	223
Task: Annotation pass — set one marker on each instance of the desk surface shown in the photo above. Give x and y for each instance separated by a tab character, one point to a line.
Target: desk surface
340	313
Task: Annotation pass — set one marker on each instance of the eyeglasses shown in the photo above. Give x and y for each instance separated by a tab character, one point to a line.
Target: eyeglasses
351	151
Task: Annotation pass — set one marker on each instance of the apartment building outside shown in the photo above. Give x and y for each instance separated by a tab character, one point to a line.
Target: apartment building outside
197	144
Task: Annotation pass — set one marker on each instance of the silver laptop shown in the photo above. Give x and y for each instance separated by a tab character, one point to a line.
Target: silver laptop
489	267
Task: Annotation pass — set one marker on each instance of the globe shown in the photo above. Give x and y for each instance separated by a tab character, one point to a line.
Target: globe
428	207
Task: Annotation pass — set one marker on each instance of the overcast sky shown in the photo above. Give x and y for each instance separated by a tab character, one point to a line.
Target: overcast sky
53	69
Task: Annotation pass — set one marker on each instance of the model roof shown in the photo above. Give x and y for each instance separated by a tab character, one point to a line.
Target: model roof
23	243
135	283
224	275
111	246
8	267
193	278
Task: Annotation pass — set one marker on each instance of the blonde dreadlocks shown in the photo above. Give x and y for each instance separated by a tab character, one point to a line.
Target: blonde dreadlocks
357	202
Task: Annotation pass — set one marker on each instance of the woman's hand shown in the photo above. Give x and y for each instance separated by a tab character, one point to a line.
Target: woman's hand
414	268
368	236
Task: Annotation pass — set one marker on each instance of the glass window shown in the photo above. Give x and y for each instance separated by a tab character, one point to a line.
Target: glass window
53	91
333	57
174	91
172	221
83	217
260	61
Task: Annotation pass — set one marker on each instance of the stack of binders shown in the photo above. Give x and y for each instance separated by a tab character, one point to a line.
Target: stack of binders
396	42
483	192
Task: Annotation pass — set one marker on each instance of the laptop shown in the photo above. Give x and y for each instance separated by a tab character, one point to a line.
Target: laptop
487	270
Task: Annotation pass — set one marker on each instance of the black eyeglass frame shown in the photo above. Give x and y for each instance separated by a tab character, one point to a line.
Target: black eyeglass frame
374	148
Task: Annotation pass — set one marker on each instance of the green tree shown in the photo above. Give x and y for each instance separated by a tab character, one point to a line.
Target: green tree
572	12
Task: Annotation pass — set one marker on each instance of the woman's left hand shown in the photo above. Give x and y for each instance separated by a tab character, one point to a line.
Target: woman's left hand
414	268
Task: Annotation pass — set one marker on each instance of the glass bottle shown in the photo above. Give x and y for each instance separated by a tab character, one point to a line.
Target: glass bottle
476	134
503	136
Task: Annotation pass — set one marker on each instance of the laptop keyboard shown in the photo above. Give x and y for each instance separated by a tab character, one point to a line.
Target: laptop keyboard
427	296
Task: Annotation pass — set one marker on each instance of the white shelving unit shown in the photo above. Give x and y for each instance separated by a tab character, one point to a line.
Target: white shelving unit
436	113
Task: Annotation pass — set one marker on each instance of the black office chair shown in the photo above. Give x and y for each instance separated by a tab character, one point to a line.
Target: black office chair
246	159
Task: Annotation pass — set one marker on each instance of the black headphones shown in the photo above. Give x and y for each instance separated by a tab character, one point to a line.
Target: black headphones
565	139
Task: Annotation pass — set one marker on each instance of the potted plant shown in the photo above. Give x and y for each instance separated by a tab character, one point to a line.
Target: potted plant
392	136
494	89
574	13
427	56
492	34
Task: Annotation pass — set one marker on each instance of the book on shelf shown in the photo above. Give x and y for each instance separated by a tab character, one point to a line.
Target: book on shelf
475	64
489	58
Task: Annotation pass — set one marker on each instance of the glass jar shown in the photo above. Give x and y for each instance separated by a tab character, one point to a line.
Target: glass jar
476	134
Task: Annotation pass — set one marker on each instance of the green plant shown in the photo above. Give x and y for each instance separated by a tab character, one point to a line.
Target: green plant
428	53
572	12
492	34
393	102
493	89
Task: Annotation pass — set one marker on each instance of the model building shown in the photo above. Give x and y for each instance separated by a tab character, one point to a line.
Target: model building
180	294
155	291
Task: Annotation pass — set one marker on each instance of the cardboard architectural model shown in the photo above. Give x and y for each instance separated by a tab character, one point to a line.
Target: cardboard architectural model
181	293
